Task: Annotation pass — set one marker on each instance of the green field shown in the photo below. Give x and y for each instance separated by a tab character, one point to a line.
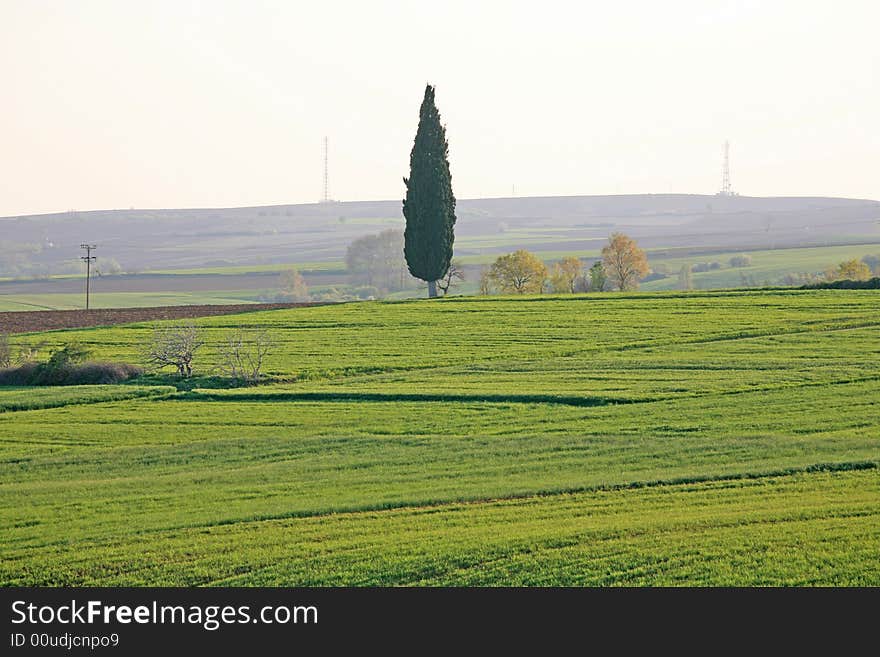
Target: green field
767	266
644	438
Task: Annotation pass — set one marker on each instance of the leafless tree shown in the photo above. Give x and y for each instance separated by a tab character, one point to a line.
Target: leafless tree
454	273
242	354
175	346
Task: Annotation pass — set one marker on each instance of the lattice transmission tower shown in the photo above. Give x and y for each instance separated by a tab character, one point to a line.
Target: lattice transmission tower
326	196
726	189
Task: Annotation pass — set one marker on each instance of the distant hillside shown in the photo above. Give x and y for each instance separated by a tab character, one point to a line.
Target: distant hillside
167	238
559	207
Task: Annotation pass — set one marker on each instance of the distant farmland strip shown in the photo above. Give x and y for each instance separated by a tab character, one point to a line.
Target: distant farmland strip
49	320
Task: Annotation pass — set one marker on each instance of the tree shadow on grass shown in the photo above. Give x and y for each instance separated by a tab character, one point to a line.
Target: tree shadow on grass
269	396
186	384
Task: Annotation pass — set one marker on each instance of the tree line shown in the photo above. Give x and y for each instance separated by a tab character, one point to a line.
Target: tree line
622	266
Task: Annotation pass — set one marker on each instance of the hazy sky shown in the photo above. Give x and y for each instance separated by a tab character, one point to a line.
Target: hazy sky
113	104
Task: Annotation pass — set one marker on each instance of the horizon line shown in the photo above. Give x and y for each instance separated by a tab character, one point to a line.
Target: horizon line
458	200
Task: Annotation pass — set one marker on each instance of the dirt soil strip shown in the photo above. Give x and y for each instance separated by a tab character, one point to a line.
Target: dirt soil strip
29	321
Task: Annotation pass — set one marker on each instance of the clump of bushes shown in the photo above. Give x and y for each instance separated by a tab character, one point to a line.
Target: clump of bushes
367	292
845	284
741	261
18	375
705	266
66	366
804	279
99	373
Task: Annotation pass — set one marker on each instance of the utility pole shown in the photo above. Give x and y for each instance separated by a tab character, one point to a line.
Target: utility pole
88	258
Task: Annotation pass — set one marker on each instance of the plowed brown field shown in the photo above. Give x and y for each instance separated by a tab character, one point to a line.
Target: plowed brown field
47	320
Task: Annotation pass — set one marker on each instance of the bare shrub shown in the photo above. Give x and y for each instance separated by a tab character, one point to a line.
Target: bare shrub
242	354
28	353
174	346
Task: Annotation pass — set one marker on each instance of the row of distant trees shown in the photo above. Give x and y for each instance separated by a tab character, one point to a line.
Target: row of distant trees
854	270
376	267
622	266
23	261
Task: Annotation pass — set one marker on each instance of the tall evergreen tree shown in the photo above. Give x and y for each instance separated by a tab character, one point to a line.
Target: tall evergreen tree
429	206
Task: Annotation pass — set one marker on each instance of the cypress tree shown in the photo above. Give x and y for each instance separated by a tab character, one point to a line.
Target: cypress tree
429	206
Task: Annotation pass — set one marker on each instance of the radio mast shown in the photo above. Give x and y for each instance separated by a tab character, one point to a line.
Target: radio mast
726	189
326	197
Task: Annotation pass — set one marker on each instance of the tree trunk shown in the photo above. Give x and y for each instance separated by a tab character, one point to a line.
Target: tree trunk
432	289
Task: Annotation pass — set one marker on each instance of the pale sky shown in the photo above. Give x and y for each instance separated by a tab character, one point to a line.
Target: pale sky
118	103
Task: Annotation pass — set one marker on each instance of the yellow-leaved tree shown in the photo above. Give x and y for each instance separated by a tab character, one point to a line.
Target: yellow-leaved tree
566	274
520	272
849	270
625	263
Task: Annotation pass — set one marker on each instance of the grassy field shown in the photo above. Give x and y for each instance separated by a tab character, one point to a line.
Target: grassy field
770	265
653	438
